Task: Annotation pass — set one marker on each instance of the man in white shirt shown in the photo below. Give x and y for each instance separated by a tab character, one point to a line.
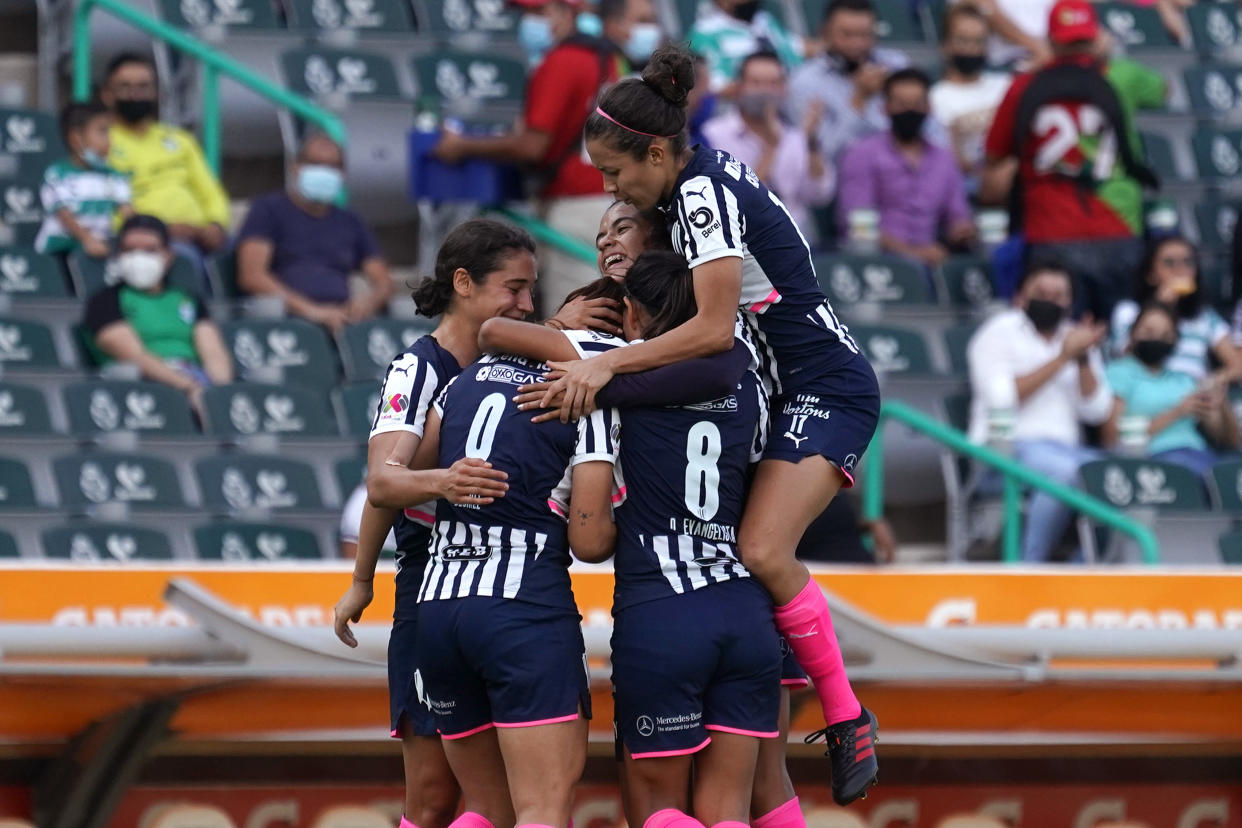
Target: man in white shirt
1048	370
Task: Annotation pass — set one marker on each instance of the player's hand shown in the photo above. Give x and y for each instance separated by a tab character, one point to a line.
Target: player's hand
356	599
530	396
471	481
581	382
591	314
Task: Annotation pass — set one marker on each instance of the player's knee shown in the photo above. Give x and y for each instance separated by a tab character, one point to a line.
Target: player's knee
759	554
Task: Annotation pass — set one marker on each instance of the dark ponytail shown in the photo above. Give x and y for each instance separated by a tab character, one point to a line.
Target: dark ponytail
479	246
638	111
660	282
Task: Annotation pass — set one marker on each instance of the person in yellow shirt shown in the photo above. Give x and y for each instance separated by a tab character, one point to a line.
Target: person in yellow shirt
168	173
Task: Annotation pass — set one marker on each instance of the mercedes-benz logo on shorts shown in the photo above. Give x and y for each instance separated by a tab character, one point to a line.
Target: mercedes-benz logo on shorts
851	460
646	726
784	646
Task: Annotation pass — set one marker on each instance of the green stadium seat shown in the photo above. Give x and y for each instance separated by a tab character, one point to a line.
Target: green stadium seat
29	141
90	275
229	14
368	347
451	19
1136	28
147	408
362	16
241	482
89	542
1218	152
16	486
245	409
355	406
956	341
23	411
138	480
299	351
1230	545
1226	486
26	345
1215	27
893	351
236	542
27	274
1216	221
324	72
1158	152
968	282
8	546
348	473
21	212
1217	287
895	20
222	273
1127	482
464	82
881	279
1214	89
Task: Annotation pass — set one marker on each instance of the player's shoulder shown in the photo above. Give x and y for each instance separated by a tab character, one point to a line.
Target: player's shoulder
588	343
421	352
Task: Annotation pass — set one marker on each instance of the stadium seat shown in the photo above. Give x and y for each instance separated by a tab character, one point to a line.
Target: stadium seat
244	409
1226	486
190	816
16	486
1218	152
27	274
348	473
1214	89
137	480
1216	221
956	342
368	347
881	279
149	408
241	482
355	406
26	345
87	541
361	16
1127	482
8	549
21	212
351	816
893	350
1158	153
970	821
1215	27
487	88
23	411
233	542
1230	545
968	282
29	141
1135	28
354	74
227	14
90	275
457	19
294	350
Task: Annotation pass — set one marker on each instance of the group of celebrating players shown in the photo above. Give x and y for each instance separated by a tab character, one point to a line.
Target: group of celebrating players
694	449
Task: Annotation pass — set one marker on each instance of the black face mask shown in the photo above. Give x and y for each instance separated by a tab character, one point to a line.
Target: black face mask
1044	315
133	111
908	124
746	10
848	66
969	65
1188	306
1152	352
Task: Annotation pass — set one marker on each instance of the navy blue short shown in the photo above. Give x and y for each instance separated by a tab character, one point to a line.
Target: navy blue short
720	670
403	701
500	662
834	416
792	674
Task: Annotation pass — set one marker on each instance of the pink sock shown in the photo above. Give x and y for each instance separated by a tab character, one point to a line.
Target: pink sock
807	626
469	819
788	815
729	823
405	823
672	818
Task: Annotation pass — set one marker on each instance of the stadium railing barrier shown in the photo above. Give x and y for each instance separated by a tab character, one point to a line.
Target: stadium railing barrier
1014	475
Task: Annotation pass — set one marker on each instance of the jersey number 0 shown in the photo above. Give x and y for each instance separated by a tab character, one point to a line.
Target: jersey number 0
483	427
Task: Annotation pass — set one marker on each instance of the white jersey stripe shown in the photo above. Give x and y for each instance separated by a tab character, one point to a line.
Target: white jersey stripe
517	562
487	583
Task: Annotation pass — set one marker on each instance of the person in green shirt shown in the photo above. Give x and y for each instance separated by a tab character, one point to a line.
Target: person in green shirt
726	31
163	329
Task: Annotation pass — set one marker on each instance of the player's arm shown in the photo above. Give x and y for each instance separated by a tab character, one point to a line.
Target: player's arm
526	339
469	480
591	530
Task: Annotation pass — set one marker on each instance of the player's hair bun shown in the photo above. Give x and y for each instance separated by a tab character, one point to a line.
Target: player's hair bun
670	72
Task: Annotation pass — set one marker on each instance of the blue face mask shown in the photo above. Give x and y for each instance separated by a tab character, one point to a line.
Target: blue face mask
94	159
320	184
535	35
590	24
644	38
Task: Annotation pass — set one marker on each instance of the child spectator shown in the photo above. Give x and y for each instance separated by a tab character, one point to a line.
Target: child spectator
81	194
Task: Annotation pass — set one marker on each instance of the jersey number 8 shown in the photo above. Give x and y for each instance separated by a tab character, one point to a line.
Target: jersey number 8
702	473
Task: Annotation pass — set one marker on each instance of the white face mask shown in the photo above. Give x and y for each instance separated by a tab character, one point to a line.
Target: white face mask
140	269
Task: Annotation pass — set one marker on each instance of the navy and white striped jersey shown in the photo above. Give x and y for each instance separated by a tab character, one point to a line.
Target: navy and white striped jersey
686	472
414	379
721	209
516	547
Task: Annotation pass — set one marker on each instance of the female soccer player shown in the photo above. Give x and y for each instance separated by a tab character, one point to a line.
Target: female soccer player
745	251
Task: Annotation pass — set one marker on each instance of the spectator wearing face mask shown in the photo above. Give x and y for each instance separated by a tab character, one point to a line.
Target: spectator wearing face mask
915	185
787	159
632	26
298	245
1019	31
966	98
1186	420
168	174
726	31
163	329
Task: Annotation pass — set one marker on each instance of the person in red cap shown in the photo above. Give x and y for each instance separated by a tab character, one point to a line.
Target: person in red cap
1064	149
559	97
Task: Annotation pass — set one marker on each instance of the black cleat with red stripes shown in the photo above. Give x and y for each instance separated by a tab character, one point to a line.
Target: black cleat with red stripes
851	747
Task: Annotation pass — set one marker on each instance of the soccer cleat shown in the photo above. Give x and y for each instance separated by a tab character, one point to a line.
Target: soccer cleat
851	747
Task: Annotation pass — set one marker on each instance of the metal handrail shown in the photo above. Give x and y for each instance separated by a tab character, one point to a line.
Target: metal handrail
546	233
1014	474
214	65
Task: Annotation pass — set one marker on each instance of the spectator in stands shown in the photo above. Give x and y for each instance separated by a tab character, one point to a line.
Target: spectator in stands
1185	418
916	187
786	158
1019	31
163	329
1032	361
633	26
559	98
82	196
1172	17
298	245
1072	201
726	31
964	101
700	103
167	171
1169	274
837	536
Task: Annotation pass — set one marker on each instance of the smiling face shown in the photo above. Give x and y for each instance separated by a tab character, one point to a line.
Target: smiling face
623	235
507	291
642	181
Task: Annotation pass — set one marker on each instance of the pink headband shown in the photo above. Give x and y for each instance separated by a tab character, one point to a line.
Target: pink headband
604	114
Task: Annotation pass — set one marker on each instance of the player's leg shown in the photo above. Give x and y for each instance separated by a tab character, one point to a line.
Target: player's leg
544	764
773	787
658	790
723	772
431	790
478	764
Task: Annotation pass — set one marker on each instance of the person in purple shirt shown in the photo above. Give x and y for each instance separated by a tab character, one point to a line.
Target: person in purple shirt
298	245
916	186
786	158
